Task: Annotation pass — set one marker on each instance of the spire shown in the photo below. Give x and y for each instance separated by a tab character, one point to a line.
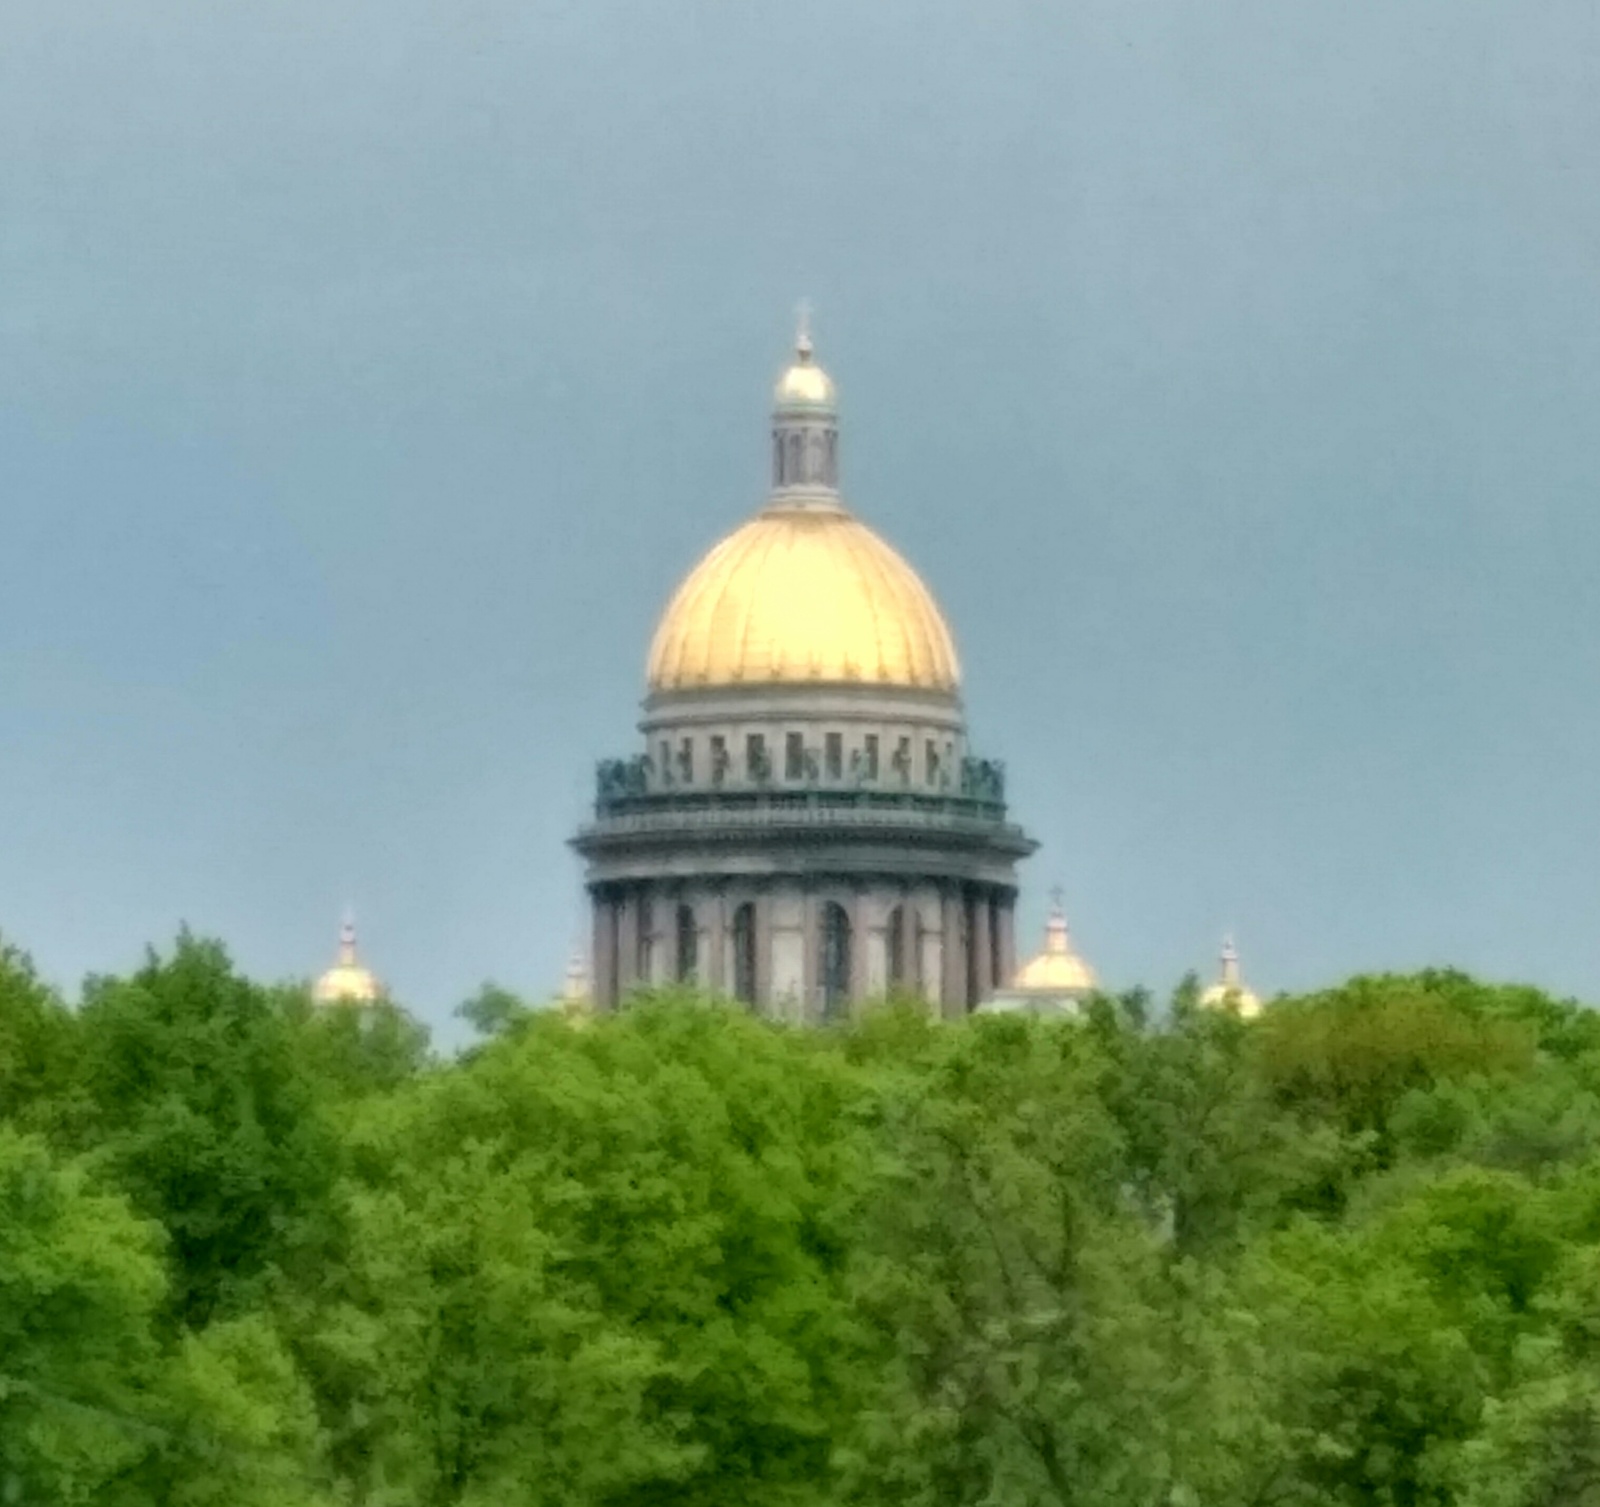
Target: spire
805	426
347	941
1230	963
1057	938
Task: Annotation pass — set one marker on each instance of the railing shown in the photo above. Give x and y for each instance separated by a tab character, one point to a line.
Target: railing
635	786
777	812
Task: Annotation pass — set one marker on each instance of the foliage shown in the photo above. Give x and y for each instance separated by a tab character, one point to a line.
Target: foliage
266	1254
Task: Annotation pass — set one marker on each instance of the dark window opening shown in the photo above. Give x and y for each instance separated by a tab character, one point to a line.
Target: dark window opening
719	758
794	757
744	953
686	761
688	944
834	972
834	753
755	758
872	756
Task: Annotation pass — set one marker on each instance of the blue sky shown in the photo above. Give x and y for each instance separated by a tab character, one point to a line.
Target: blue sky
369	374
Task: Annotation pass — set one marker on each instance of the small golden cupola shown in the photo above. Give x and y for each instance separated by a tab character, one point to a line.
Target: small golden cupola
347	982
804	385
1054	981
1229	991
804	592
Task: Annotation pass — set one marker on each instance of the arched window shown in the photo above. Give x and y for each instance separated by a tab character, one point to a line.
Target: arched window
834	972
793	474
744	953
896	939
777	460
688	944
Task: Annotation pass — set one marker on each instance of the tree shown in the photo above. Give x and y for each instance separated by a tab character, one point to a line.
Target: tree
1011	1285
203	1110
1348	1057
80	1279
602	1265
36	1047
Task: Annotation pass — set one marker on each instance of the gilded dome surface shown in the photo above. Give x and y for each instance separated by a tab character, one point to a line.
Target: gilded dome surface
804	384
1058	969
802	593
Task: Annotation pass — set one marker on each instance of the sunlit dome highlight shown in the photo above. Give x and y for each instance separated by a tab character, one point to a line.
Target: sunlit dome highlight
347	982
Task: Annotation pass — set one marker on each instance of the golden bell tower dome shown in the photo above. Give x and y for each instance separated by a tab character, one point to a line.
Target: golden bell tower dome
803	383
1229	991
804	591
348	981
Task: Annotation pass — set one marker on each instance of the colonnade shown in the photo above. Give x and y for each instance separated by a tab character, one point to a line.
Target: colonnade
806	949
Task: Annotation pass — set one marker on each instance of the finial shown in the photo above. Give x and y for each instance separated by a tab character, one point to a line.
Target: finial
347	938
802	332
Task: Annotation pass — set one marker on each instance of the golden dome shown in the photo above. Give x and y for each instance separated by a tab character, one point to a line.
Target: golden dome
347	982
1058	969
802	593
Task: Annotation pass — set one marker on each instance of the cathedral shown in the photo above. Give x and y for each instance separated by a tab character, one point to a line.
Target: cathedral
804	825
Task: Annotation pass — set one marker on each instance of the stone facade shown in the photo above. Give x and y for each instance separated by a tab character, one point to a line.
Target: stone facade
804	886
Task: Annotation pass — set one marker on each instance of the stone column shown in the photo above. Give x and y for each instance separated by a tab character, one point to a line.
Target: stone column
605	952
1005	941
715	976
627	942
915	982
953	987
810	990
982	933
860	916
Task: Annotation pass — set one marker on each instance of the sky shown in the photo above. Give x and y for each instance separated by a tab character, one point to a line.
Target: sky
370	373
